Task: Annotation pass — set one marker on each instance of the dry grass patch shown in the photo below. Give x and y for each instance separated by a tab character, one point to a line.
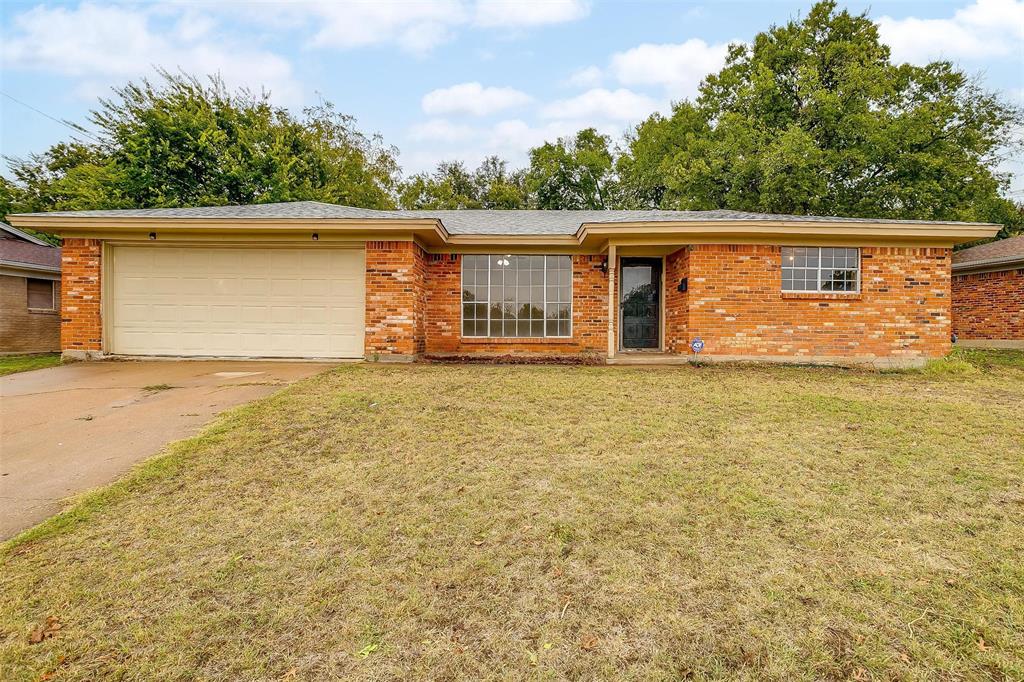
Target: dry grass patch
448	522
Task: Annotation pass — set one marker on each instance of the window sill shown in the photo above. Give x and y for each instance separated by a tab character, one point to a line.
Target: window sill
822	296
512	340
42	311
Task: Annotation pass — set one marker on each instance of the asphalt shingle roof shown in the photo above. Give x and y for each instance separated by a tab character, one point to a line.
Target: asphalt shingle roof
1004	249
16	251
476	222
291	209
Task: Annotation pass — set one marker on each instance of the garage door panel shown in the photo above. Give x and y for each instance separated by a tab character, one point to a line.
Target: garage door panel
237	301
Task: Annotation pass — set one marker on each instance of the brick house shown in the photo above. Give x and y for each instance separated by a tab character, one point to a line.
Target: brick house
988	294
29	293
307	279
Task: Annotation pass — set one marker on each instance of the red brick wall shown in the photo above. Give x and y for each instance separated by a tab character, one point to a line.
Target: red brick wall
23	330
81	327
989	305
903	311
395	298
677	266
734	303
444	312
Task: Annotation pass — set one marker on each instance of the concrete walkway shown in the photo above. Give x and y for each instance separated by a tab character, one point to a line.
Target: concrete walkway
66	429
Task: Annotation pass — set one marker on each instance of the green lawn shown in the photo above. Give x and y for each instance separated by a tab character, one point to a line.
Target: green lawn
11	364
479	522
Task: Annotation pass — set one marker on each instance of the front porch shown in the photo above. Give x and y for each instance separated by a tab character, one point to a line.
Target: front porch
648	291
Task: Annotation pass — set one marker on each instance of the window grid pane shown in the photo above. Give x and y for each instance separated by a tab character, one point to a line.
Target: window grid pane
516	296
475	300
826	269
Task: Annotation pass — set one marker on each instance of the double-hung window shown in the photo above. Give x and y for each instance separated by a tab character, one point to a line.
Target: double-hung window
510	296
820	268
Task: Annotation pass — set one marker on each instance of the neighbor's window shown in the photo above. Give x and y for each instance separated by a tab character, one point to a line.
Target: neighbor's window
825	268
40	294
516	296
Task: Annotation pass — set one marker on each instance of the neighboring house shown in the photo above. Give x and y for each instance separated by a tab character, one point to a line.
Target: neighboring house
29	293
307	279
988	294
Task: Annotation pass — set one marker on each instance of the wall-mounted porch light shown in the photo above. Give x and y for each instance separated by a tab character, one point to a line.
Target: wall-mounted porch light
152	235
604	266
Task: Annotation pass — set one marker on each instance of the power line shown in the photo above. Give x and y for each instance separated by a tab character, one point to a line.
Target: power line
77	128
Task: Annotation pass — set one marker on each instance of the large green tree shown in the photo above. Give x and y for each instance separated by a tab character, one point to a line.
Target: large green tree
573	173
185	142
813	117
452	186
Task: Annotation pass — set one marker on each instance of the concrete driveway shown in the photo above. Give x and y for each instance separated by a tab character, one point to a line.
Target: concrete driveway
66	429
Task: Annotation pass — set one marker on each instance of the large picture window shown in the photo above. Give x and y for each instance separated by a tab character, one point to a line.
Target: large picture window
826	269
525	296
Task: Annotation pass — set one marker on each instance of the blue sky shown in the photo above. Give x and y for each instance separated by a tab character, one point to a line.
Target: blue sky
448	79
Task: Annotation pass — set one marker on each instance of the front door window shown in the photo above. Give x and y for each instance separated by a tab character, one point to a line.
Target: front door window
640	302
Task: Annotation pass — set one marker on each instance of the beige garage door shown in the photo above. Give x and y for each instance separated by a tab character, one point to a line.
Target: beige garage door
239	302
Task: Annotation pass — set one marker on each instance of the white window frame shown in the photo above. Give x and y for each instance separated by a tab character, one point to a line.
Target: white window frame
462	308
818	270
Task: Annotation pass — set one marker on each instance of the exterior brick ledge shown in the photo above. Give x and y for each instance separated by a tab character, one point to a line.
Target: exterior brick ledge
531	340
819	296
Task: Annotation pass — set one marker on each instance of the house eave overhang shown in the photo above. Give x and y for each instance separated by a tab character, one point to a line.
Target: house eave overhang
989	265
10	229
592	237
16	268
785	232
430	232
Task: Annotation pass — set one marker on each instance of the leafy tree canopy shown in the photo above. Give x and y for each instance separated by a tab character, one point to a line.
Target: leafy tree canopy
813	117
810	117
573	173
183	142
451	186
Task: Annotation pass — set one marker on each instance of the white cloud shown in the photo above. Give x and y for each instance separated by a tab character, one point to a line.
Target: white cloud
986	28
441	130
472	98
97	43
601	104
677	67
521	13
589	77
416	26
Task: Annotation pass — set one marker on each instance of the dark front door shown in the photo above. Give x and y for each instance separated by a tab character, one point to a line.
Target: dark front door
640	302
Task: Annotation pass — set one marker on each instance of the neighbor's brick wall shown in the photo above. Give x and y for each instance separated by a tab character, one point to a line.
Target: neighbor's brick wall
395	298
444	312
23	330
81	327
677	266
738	308
989	305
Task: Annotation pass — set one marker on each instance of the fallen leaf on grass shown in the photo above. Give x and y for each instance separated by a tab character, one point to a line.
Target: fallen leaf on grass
290	675
981	644
589	643
367	650
46	631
